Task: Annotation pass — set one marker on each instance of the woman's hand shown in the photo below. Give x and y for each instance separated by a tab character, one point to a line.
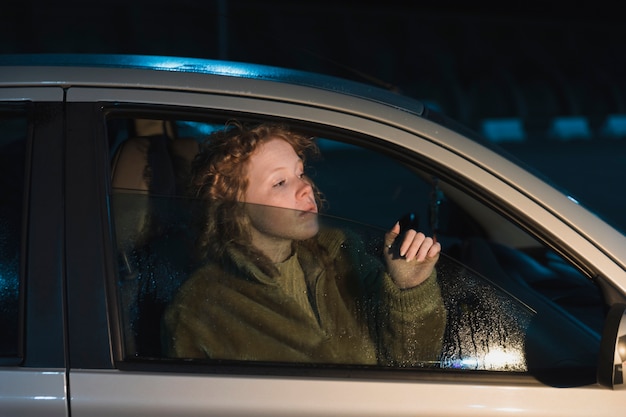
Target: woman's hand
410	257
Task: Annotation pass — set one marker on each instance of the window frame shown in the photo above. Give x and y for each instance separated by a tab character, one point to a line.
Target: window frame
281	369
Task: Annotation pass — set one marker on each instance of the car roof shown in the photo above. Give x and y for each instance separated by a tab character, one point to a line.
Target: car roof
240	70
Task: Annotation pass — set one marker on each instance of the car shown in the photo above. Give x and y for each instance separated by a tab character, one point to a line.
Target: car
96	235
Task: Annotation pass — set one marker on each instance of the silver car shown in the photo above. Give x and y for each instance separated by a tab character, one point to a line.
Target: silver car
93	250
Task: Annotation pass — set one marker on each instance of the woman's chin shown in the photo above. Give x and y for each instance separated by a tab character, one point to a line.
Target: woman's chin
309	228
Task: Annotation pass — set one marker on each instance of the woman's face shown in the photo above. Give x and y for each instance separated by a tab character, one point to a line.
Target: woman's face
282	202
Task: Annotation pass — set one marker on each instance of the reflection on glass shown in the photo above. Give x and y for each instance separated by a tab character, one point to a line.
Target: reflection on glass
486	326
271	312
327	299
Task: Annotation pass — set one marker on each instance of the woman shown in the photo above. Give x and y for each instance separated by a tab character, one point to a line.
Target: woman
277	287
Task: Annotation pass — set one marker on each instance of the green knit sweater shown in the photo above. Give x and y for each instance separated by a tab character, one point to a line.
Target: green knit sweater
351	313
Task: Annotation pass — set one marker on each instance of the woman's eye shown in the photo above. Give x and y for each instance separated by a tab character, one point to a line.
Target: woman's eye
280	183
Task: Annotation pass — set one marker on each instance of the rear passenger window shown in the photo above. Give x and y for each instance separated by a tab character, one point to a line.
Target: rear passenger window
13	132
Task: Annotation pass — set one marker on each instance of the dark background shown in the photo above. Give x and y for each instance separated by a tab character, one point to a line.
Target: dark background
546	81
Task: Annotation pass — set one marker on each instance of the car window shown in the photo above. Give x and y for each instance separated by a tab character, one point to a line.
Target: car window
507	302
13	132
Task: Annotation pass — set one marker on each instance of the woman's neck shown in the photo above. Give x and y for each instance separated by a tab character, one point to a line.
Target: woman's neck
275	248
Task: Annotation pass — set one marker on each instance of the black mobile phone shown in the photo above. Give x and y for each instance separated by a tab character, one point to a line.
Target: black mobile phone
409	221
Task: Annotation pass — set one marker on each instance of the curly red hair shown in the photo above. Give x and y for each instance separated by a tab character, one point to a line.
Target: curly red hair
219	180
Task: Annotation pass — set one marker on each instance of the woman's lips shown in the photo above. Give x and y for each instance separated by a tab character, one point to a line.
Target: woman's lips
309	210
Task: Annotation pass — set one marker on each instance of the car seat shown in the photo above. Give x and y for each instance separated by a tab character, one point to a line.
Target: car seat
149	181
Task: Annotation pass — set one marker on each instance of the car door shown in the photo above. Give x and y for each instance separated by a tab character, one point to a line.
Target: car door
32	355
376	172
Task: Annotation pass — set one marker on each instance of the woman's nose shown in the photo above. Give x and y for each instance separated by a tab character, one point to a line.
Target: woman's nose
305	188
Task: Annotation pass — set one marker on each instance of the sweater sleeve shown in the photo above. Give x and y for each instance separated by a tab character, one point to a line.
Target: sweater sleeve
410	323
406	325
183	332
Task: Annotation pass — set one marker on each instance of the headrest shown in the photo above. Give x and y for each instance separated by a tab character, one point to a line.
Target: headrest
143	167
130	164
